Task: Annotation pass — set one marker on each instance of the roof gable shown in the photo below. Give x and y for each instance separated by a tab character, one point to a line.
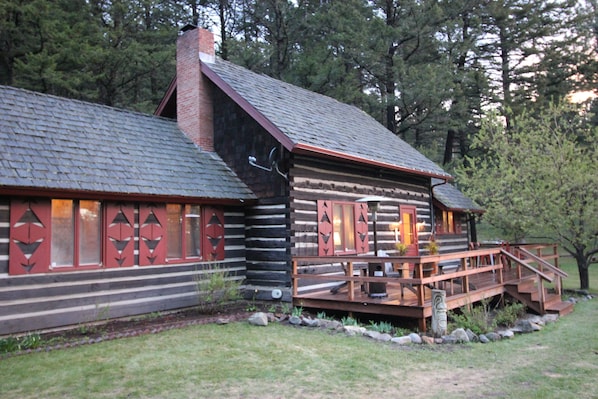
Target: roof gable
307	121
56	143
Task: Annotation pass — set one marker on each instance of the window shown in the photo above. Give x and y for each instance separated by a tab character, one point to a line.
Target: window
76	233
183	231
342	228
447	222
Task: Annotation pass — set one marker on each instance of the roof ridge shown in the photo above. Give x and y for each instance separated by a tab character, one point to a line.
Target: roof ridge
82	102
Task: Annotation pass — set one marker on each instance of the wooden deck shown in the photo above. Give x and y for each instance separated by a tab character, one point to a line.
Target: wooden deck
479	275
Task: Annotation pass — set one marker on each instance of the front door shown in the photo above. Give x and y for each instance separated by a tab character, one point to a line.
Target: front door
409	229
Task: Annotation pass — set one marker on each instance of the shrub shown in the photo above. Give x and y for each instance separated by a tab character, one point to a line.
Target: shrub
381	327
508	315
476	318
215	288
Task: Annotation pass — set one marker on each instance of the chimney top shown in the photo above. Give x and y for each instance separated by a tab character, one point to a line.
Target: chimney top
188	27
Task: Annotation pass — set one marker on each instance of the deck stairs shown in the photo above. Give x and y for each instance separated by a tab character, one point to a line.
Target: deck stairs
532	285
526	291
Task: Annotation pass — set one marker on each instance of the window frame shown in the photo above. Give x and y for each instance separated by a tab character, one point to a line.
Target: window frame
326	233
344	233
184	216
447	222
76	236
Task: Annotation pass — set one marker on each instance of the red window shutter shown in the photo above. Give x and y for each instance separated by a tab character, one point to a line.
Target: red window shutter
152	234
213	233
120	235
325	229
361	228
29	247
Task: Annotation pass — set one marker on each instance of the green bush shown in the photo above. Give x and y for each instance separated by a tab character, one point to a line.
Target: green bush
215	288
476	318
14	344
508	315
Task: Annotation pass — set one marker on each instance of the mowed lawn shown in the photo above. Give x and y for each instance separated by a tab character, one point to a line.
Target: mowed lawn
242	361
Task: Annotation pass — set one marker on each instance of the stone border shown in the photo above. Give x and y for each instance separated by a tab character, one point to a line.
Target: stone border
528	324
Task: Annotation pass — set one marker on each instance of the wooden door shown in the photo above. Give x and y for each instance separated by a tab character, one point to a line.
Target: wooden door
409	229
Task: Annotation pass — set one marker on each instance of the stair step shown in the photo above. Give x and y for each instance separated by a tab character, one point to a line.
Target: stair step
562	308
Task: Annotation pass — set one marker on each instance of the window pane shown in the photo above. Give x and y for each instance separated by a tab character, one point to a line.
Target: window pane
407	229
450	223
349	227
337	215
192	230
89	232
174	229
63	233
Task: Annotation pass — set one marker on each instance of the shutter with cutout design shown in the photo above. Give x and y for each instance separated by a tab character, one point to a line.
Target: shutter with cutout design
213	233
152	234
120	235
325	228
30	231
361	228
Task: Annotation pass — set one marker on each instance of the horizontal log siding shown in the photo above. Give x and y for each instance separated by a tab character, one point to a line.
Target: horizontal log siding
268	246
312	180
42	301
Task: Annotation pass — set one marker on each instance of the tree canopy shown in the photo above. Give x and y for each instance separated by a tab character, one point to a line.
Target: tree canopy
538	178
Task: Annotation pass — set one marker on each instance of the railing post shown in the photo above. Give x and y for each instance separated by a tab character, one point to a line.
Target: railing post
294	279
351	283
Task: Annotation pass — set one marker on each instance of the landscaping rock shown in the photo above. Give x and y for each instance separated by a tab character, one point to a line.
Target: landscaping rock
377	336
331	324
222	320
354	330
526	326
492	336
295	320
472	336
415	338
483	339
258	319
405	340
309	322
506	334
460	335
428	340
449	339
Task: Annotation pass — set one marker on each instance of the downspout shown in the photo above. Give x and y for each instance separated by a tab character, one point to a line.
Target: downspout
432	217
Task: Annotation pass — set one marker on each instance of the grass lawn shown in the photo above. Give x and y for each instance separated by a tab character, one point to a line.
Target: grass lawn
242	361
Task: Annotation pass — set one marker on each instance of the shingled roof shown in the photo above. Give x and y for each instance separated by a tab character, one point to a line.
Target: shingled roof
55	143
306	121
453	199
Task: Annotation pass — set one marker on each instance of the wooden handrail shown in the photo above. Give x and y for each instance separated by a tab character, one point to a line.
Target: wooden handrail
544	263
526	265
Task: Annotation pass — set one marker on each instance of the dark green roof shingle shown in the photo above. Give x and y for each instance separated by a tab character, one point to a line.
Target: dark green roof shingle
316	120
56	143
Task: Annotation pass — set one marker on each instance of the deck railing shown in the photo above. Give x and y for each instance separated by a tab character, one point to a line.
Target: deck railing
433	270
424	271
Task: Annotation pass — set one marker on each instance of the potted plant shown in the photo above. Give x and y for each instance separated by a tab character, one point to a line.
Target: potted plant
402	248
433	249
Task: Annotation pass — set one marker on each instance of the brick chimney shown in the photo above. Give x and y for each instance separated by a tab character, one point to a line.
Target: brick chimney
194	98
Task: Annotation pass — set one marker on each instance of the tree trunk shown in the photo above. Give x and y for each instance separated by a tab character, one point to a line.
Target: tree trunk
582	268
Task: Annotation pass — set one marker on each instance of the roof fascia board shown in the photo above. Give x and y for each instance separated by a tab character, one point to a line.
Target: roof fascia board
310	150
99	195
443	207
247	107
169	93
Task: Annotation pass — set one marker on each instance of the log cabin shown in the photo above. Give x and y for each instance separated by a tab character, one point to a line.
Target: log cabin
109	213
